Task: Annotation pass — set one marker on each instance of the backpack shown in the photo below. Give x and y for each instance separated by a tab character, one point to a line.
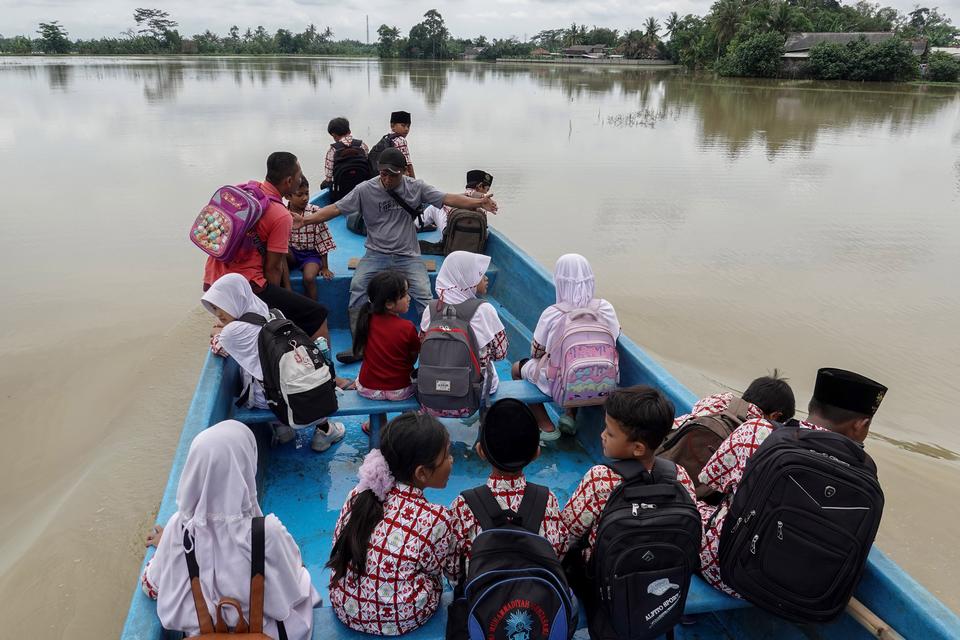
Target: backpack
583	365
228	222
692	445
449	376
796	537
297	380
220	631
350	168
515	587
466	230
374	156
647	549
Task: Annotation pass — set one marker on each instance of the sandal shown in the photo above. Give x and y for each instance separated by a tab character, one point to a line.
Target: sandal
365	427
550	436
567	425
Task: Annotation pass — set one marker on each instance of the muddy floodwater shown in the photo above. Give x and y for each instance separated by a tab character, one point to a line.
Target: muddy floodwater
736	225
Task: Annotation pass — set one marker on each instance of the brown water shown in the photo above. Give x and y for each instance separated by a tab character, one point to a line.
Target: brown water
736	225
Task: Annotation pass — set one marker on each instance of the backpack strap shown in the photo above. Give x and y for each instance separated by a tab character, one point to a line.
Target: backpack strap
253	318
468	308
337	146
738	409
414	213
664	470
629	469
533	507
485	508
356	143
199	602
257	574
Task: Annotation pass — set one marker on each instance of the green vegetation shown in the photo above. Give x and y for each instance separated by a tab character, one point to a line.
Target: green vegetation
757	56
889	60
942	67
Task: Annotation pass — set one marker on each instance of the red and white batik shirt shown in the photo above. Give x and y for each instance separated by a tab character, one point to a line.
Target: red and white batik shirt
711	405
723	472
347	140
402	584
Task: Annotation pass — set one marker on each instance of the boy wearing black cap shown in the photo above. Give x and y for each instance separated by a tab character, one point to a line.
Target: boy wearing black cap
843	402
478	184
509	440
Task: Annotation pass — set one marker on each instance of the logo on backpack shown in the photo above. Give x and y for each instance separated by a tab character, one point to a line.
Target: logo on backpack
522	620
661	586
227	224
583	364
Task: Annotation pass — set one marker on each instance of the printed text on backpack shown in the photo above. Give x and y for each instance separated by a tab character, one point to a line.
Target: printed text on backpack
228	223
583	363
449	377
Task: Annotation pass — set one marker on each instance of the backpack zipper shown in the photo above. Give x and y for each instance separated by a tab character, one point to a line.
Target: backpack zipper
779	530
753	544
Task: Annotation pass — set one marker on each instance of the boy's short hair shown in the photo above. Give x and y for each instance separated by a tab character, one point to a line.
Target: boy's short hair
338	127
280	165
304	183
645	413
509	435
772	393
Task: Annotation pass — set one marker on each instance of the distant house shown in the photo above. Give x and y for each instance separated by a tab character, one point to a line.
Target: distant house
539	51
798	45
585	51
953	51
471	53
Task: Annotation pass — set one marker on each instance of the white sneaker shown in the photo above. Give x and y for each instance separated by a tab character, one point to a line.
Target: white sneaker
282	434
322	440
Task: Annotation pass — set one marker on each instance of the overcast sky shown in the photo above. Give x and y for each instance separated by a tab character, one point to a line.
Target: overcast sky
493	18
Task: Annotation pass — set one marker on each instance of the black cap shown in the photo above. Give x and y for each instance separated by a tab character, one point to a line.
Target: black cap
479	176
400	117
848	390
509	435
392	160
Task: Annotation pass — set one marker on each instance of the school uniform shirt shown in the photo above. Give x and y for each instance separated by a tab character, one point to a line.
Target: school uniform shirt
400	142
582	512
438	216
402	585
508	490
392	348
723	472
312	237
347	140
272	231
711	405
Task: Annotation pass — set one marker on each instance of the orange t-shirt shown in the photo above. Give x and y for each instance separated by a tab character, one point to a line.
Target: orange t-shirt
273	230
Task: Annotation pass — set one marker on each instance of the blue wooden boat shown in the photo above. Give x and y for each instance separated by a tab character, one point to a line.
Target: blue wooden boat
306	490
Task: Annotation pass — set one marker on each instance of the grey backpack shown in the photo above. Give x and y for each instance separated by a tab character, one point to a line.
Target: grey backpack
450	377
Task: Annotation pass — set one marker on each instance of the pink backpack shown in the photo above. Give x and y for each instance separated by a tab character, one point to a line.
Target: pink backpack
583	365
229	220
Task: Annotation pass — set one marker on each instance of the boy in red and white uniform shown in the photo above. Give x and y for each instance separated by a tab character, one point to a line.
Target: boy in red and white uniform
843	402
770	397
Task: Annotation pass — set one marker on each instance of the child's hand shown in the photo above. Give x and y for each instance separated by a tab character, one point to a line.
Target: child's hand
153	538
297	220
327	274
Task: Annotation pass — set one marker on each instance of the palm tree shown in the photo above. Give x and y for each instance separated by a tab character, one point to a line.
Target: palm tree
651	27
673	21
725	18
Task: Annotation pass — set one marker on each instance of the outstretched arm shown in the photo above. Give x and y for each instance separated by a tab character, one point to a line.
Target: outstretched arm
458	201
323	214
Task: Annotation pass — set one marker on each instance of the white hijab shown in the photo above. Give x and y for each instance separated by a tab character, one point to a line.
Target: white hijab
232	293
574	281
216	500
457	281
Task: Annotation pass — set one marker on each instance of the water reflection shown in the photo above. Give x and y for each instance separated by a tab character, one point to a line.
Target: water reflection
58	75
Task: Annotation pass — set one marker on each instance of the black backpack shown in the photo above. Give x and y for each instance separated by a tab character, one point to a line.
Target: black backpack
298	382
796	537
449	376
384	143
647	549
350	168
515	587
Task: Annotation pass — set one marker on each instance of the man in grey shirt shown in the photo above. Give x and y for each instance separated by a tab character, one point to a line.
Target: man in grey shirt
391	235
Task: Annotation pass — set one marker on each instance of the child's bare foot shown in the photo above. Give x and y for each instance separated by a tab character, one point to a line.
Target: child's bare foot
346	383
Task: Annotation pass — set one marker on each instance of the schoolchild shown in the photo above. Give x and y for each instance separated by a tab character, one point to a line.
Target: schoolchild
389	343
228	299
309	245
768	397
843	402
216	505
463	277
637	420
509	440
399	130
478	184
339	130
575	287
390	543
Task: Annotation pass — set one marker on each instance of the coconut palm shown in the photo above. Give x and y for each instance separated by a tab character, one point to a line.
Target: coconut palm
725	18
673	21
650	29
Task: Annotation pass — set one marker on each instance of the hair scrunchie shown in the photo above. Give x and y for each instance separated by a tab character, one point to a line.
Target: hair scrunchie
375	475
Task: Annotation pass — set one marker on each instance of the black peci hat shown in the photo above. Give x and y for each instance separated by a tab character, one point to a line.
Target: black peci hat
400	117
479	176
848	390
509	435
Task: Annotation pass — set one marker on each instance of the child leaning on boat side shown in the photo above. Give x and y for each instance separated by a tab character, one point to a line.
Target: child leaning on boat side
575	286
478	184
390	543
309	246
216	505
463	277
768	397
508	440
228	299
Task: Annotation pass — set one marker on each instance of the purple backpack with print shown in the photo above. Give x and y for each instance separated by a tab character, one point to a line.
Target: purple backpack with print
228	222
583	365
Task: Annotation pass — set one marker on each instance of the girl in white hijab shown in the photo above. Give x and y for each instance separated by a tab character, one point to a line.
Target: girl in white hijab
216	502
574	283
462	277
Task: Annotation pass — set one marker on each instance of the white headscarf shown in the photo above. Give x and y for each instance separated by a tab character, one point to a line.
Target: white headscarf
232	293
457	281
574	281
216	500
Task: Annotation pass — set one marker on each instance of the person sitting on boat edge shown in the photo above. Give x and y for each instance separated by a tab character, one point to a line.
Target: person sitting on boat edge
228	299
339	130
390	542
389	343
575	287
216	505
463	277
478	185
843	402
508	440
636	420
309	246
391	239
266	272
